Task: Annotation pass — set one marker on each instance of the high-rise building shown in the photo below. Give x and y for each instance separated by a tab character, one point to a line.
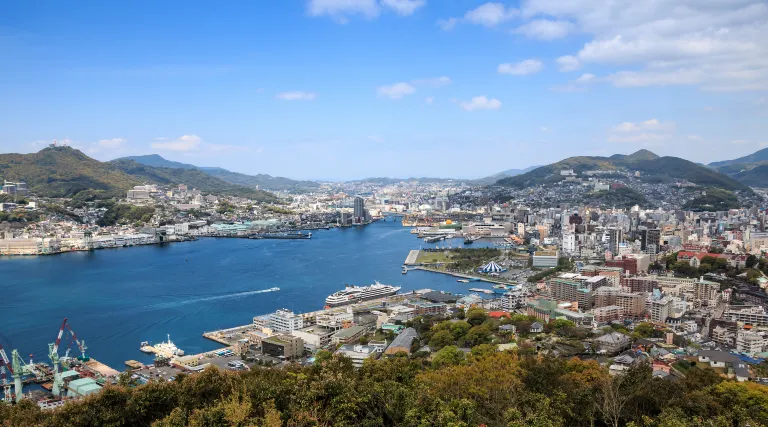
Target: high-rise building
614	238
359	208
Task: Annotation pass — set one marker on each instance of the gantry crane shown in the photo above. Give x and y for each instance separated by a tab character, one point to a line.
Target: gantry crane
5	364
53	354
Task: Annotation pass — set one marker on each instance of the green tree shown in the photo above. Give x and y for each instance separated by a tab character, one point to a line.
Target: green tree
441	339
460	328
476	316
751	261
450	355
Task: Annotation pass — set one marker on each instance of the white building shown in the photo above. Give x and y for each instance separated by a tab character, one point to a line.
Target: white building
660	309
284	320
750	342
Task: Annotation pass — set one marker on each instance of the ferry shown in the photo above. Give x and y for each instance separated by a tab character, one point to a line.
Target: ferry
285	235
164	347
353	294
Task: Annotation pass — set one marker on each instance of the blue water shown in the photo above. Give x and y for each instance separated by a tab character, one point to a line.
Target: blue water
117	298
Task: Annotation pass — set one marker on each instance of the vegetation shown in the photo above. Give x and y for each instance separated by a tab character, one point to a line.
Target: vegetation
64	172
121	213
564	264
622	197
651	167
484	387
713	199
278	210
193	178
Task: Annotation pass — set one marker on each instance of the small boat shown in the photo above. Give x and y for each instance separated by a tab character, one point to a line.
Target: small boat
463	281
405	270
145	347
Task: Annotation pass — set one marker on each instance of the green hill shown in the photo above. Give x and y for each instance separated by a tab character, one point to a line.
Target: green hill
193	178
652	168
756	157
64	172
264	181
754	177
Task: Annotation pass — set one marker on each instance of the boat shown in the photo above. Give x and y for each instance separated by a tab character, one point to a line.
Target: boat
405	270
500	286
353	294
283	235
485	291
146	348
167	347
433	239
468	240
463	281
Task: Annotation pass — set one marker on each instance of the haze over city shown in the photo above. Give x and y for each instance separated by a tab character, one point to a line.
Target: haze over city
332	89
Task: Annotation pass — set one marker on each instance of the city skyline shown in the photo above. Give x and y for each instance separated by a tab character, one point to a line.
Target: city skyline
329	89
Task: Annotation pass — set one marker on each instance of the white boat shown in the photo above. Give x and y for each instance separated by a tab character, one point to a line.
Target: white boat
169	347
145	347
353	294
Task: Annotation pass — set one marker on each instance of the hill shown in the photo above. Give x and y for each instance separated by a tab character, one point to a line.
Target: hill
194	178
263	181
756	157
65	172
651	167
754	177
488	180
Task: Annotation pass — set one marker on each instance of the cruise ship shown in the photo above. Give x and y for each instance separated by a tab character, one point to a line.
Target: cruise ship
353	294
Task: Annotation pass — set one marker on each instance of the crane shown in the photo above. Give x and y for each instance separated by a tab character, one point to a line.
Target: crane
80	345
53	354
5	364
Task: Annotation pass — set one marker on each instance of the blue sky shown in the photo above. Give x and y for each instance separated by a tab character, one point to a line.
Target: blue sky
337	89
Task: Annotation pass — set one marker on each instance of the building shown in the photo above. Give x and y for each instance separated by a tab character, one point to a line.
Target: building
562	289
750	342
359	353
640	284
612	342
514	299
545	259
547	310
359	209
402	342
751	315
284	320
632	305
428	308
613	236
283	346
660	309
609	313
14	188
315	337
335	321
137	195
348	335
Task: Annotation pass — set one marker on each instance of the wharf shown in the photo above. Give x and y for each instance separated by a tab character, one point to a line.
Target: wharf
412	257
466	276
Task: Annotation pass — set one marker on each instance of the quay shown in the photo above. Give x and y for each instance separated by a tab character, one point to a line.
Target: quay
465	276
412	257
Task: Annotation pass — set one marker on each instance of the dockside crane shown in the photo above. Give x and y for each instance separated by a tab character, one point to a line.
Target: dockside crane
53	354
80	345
5	364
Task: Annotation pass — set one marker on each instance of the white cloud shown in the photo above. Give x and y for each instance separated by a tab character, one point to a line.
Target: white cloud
739	142
545	29
403	7
568	63
648	132
522	68
490	14
648	125
429	100
296	96
716	45
111	143
183	143
447	24
544	129
396	91
340	10
375	138
481	103
433	82
578	85
694	138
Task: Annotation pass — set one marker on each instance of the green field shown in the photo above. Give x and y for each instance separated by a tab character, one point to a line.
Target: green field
433	257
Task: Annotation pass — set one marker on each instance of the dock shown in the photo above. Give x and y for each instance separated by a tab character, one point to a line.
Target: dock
466	276
412	257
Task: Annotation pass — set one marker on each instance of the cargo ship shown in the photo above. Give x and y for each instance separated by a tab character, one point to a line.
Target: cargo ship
284	235
353	294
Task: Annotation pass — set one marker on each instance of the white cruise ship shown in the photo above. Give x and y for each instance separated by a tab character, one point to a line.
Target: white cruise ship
353	294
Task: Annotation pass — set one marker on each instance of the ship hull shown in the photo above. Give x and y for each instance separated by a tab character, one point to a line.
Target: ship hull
356	300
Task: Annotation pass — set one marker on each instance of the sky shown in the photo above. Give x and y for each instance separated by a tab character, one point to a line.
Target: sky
344	89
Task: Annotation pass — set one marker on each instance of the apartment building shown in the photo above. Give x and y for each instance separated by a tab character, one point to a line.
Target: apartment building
562	289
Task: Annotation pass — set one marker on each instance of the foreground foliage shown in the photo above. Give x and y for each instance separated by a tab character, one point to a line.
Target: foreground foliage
483	388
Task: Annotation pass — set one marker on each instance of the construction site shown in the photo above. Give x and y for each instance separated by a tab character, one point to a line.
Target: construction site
50	385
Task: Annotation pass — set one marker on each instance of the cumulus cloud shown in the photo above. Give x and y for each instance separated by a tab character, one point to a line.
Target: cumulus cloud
522	68
488	14
481	103
578	85
403	7
396	91
648	132
568	63
715	45
342	10
545	29
296	96
182	143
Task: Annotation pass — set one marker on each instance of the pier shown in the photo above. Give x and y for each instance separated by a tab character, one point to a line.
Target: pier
412	257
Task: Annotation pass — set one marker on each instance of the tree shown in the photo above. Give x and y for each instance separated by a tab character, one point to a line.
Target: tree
450	355
441	339
751	261
646	330
460	328
483	350
477	335
476	316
